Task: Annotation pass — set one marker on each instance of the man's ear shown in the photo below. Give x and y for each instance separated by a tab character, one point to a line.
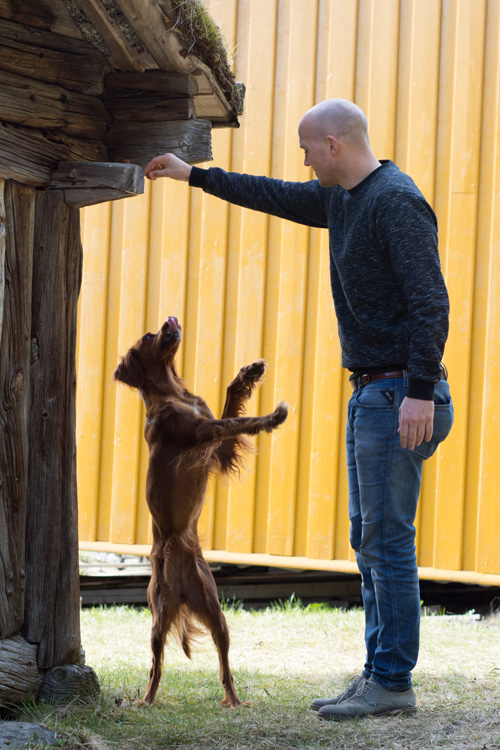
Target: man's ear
129	370
333	144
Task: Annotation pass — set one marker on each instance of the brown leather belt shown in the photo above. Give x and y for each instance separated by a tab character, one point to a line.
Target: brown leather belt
358	380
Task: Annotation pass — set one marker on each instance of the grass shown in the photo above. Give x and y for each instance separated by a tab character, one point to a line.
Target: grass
281	658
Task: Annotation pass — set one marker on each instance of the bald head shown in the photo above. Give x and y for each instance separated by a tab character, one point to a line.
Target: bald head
340	118
334	138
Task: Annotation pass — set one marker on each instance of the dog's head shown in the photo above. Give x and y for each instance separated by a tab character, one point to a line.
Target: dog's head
149	356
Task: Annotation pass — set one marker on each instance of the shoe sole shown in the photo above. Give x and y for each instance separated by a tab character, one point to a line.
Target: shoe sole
345	717
317	708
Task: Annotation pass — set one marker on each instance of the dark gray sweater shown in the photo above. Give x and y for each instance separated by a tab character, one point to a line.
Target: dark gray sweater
389	293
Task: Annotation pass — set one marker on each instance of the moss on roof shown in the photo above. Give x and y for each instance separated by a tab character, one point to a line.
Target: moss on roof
203	38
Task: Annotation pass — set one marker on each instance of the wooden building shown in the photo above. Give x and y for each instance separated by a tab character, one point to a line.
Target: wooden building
427	74
84	85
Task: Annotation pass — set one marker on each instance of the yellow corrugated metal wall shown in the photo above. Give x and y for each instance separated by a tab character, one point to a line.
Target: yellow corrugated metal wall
244	285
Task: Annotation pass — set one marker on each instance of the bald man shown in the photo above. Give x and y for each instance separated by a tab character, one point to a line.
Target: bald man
392	312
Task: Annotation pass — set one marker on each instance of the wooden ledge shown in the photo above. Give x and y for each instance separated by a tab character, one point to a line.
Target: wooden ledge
88	183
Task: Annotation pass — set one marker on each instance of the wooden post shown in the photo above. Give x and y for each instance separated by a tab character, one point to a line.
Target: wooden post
52	617
15	355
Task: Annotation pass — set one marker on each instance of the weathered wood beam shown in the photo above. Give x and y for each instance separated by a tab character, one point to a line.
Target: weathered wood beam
152	26
52	612
127	55
46	56
43	105
211	102
190	140
130	104
20	679
85	184
174	84
30	156
3	244
42	14
15	363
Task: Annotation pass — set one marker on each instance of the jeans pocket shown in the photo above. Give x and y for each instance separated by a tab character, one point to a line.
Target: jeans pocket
443	421
375	398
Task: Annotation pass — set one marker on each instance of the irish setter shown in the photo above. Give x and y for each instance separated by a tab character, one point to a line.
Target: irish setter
186	443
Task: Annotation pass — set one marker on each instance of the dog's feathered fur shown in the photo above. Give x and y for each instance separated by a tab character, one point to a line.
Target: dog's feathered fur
186	443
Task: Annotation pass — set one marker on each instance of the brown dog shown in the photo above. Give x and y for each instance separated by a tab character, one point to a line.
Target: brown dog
185	444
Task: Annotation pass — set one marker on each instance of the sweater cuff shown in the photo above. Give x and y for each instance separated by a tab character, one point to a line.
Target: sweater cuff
198	177
422	389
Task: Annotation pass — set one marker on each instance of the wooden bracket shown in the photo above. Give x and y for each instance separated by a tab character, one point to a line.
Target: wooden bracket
86	183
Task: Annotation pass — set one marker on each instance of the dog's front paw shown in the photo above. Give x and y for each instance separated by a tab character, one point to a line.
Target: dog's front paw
278	416
255	372
235	702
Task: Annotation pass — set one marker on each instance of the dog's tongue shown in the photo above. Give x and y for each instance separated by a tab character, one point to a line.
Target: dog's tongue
173	323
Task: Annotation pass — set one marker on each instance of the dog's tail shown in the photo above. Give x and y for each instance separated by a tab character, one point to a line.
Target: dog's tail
185	631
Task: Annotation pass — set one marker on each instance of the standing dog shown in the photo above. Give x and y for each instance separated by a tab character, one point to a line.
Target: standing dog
186	443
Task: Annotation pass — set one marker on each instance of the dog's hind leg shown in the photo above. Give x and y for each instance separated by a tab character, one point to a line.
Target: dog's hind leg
203	601
165	610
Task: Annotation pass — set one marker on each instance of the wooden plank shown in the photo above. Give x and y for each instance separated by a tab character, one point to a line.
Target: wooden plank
46	56
228	515
482	520
137	106
417	113
283	343
3	232
126	55
88	183
166	290
133	224
154	80
319	510
140	142
20	679
30	156
456	204
377	71
15	358
149	23
51	15
52	585
42	105
418	86
91	354
212	99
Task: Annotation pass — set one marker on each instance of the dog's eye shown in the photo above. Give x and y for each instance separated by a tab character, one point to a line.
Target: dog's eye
147	336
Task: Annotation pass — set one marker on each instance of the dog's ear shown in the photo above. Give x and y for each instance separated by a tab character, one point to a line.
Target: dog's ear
129	370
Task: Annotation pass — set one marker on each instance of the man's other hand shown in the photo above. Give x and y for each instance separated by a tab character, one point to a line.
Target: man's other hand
416	422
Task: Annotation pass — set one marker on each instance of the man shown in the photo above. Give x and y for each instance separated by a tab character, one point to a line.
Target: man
392	312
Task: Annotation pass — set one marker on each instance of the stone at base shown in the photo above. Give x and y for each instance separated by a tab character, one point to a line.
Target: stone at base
18	733
69	682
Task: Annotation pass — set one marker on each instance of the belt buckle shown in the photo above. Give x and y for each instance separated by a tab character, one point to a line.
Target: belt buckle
359	381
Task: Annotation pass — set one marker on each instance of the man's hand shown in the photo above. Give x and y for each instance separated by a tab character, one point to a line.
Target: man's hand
416	422
168	165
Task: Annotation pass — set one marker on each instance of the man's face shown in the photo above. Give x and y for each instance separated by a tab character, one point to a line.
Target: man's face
318	154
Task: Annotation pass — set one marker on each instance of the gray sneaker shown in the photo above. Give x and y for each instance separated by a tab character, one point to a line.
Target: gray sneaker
370	698
350	690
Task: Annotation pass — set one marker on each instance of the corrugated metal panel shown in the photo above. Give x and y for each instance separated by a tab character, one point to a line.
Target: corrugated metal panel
245	285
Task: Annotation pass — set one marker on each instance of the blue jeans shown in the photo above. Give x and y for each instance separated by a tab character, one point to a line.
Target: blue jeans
384	486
